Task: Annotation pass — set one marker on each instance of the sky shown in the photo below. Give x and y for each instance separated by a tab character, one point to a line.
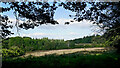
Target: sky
58	31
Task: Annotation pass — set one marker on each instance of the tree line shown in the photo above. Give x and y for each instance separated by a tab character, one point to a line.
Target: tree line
15	46
30	44
97	39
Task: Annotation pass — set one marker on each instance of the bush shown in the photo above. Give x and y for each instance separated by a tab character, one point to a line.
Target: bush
114	42
12	52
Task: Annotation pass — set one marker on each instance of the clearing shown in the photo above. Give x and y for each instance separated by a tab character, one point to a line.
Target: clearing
63	51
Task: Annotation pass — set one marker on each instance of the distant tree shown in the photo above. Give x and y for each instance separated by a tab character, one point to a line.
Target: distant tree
85	39
98	39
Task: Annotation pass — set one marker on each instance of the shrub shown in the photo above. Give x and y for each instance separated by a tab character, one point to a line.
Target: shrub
12	52
114	42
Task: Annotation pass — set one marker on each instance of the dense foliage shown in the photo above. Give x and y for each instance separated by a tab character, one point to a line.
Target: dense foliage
29	44
16	46
89	39
114	42
12	52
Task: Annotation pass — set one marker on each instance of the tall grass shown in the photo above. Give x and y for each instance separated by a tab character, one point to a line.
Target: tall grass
74	60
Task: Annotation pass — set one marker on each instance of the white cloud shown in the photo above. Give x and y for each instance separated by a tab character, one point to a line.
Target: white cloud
82	24
36	34
59	31
73	33
61	25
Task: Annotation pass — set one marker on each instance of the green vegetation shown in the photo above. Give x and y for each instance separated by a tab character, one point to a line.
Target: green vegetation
29	44
89	39
105	15
85	45
16	46
12	52
114	41
93	59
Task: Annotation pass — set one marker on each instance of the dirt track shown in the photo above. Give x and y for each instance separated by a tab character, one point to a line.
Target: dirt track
62	51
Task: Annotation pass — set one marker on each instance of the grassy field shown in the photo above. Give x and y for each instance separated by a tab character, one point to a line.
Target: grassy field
81	59
63	51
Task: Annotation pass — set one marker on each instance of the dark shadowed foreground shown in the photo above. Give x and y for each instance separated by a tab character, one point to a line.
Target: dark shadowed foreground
80	59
